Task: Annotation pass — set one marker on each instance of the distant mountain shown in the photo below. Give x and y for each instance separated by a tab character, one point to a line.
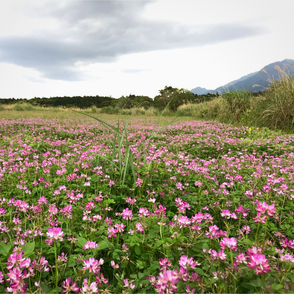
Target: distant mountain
201	91
254	82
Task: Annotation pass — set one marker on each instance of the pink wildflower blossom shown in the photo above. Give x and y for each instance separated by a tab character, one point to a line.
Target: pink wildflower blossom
92	264
259	263
127	214
92	288
114	265
166	282
91	245
54	234
229	242
143	212
69	286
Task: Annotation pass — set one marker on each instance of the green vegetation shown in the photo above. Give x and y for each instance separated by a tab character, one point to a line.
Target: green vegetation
273	108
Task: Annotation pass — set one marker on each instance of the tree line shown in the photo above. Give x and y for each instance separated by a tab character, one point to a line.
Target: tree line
169	96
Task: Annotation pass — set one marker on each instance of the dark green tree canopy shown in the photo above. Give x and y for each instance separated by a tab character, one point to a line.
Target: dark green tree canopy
173	97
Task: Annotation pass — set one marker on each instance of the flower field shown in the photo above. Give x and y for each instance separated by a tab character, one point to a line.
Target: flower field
194	207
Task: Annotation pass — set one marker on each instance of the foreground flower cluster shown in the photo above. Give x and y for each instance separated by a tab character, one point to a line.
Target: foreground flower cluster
210	210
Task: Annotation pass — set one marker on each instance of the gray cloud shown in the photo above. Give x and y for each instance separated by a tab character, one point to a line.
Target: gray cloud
100	31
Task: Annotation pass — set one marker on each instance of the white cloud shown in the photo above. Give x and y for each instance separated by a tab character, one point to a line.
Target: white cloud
107	57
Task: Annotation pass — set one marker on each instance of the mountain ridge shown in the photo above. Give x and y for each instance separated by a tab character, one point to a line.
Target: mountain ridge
254	82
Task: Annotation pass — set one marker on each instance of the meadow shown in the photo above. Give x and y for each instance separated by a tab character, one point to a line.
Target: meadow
144	205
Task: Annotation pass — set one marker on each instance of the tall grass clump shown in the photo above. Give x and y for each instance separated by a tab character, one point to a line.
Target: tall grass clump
23	107
110	110
279	102
121	158
186	109
237	103
212	109
95	109
152	111
273	109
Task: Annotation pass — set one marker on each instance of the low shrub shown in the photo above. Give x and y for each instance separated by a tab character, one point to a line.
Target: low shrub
23	107
110	110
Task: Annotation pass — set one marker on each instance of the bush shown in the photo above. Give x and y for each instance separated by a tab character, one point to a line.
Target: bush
279	102
94	109
151	111
24	107
110	110
125	111
237	103
186	109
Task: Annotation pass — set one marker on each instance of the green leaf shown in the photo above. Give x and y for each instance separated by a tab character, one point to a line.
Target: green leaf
157	244
115	255
141	275
257	283
4	248
200	271
72	261
103	245
45	287
28	249
56	290
247	241
205	246
81	242
138	250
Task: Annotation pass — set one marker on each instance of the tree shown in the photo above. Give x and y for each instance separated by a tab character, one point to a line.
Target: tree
173	97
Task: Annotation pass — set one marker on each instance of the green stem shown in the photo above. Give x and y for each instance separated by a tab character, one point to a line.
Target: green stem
232	262
257	233
56	269
265	233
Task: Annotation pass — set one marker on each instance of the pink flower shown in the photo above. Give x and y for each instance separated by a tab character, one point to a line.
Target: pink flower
139	228
143	212
101	279
241	258
1	278
254	250
112	232
186	262
120	227
246	229
127	284
40	266
164	263
69	286
130	200
263	207
226	213
228	242
198	184
260	219
92	264
127	214
62	257
42	200
16	260
259	263
190	291
166	282
91	245
287	257
114	265
54	234
92	288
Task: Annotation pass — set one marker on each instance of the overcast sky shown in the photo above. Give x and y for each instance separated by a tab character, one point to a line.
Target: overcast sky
67	48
